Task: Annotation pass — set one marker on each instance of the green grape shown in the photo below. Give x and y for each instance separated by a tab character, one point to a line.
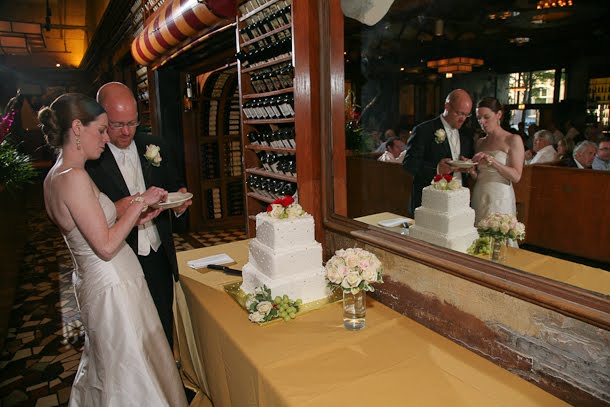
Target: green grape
283	314
277	300
287	318
285	298
292	315
292	309
299	301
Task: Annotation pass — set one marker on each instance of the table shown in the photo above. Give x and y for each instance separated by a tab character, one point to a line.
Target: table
578	275
314	361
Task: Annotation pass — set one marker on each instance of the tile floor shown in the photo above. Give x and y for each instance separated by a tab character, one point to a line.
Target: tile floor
45	336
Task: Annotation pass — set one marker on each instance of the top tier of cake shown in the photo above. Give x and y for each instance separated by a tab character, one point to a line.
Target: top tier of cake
447	201
281	234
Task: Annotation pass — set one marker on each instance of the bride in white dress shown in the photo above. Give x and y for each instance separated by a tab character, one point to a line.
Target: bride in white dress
500	156
126	359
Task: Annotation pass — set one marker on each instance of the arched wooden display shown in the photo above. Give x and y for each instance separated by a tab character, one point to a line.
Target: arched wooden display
176	21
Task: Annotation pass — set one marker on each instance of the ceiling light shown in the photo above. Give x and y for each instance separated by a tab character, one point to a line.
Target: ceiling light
455	65
543	4
520	40
402	68
58	65
448	75
503	15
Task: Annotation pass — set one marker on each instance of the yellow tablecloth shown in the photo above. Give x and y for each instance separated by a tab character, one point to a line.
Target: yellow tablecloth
578	275
314	361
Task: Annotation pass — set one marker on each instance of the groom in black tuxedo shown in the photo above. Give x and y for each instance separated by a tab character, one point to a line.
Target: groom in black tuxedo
126	169
437	141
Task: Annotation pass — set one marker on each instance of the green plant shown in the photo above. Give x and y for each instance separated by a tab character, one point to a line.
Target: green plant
16	169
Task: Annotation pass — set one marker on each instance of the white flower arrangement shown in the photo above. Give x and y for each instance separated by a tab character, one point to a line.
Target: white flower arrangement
440	136
153	155
285	208
501	226
445	182
354	270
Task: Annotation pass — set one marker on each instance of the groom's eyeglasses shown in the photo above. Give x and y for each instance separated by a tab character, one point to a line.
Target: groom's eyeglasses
120	125
460	114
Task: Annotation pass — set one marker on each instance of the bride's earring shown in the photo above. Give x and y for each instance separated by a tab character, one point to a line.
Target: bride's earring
78	142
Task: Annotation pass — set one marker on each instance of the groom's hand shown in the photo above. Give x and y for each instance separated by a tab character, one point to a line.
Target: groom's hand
444	168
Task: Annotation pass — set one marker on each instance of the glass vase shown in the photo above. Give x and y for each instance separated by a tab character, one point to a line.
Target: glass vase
498	250
354	310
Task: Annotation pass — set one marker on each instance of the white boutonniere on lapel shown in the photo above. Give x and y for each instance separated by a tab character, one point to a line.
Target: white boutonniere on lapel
440	136
153	155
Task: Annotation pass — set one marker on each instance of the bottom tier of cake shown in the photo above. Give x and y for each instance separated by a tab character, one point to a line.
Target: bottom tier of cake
458	241
308	286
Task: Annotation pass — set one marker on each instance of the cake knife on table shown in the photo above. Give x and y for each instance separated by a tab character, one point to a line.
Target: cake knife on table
224	269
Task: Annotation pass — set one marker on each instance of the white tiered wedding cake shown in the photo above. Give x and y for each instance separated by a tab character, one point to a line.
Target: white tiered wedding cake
285	256
445	217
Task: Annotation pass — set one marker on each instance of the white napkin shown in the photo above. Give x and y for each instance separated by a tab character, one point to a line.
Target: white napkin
205	261
390	223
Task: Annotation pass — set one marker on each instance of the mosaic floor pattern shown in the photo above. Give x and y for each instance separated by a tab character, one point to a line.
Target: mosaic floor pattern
45	337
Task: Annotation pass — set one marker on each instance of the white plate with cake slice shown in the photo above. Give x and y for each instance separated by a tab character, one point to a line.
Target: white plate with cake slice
462	163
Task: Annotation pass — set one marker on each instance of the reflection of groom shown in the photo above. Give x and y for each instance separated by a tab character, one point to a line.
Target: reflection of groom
121	172
437	141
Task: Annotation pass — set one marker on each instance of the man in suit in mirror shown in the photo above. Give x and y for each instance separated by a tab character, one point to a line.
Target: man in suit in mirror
436	142
132	162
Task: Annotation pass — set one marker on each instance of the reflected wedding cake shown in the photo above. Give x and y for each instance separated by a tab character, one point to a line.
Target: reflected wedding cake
445	217
285	256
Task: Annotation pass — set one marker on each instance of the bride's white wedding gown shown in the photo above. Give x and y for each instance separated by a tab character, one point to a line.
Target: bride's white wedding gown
126	359
492	193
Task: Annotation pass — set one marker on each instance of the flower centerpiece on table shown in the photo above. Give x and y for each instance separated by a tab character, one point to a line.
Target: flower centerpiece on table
501	226
285	208
354	270
445	182
263	308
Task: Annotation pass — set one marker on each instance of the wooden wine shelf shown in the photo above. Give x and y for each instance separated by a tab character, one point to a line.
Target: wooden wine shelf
266	64
269	121
260	197
265	35
269	174
267	148
267	94
256	10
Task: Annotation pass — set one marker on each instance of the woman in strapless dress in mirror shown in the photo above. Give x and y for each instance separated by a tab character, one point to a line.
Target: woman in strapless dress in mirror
126	359
500	156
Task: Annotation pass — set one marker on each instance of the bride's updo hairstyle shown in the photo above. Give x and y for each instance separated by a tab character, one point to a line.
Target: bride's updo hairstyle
56	120
491	103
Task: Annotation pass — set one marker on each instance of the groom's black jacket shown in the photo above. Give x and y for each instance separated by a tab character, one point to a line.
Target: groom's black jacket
424	153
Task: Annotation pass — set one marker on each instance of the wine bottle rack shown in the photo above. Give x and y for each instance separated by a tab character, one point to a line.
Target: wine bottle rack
266	66
221	169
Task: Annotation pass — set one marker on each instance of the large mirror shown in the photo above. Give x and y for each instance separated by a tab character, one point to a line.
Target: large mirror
542	61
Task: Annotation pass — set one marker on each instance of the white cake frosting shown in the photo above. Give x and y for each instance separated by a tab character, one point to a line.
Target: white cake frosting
445	219
285	257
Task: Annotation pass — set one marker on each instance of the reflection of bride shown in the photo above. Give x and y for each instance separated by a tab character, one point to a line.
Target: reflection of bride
500	156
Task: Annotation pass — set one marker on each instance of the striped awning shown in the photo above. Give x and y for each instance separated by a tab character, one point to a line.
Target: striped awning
176	21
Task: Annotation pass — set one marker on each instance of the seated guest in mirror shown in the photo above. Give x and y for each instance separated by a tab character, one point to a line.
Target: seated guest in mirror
126	358
500	162
602	159
394	152
543	150
582	157
388	134
436	142
565	148
128	166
